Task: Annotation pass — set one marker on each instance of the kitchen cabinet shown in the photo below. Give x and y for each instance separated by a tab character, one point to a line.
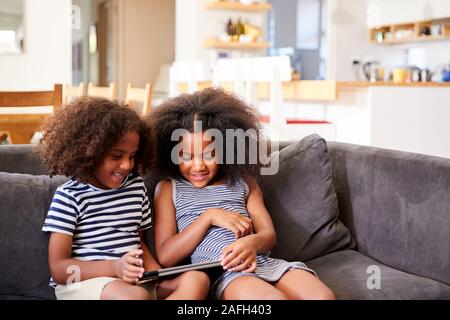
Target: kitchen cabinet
416	31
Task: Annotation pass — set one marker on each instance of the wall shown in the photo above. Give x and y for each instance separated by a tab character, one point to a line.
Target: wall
386	11
146	40
47	56
348	39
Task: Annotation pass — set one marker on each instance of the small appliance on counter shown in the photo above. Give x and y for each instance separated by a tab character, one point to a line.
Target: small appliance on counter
446	74
373	71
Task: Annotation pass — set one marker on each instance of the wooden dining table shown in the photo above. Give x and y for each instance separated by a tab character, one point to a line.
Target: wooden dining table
21	123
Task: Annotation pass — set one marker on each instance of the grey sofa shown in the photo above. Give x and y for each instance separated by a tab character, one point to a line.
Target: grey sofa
394	214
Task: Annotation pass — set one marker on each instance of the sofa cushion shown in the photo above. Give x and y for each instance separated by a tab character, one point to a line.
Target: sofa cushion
302	202
352	275
24	201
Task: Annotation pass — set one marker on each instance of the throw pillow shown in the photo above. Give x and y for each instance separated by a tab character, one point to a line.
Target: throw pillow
302	202
24	201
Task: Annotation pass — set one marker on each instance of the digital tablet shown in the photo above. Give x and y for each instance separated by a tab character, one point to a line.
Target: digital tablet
161	273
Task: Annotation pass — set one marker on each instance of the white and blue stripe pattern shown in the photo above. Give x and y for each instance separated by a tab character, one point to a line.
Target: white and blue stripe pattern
104	223
190	202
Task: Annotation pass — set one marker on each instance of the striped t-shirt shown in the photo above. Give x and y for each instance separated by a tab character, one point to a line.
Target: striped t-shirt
104	223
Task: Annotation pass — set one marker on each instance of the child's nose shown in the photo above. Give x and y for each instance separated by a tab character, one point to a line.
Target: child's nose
125	164
198	164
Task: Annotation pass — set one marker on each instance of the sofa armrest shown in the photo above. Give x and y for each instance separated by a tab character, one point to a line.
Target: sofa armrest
397	206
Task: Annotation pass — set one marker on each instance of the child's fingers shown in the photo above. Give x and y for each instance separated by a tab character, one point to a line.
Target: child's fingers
242	229
227	255
133	274
233	228
134	270
134	260
247	227
130	279
135	253
251	267
241	267
238	263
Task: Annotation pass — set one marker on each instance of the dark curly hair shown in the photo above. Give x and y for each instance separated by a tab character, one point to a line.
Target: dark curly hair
216	109
77	137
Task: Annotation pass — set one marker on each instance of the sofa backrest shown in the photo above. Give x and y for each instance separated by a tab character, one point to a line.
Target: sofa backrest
24	201
20	159
396	205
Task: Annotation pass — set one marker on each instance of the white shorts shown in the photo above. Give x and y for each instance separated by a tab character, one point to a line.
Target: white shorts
91	289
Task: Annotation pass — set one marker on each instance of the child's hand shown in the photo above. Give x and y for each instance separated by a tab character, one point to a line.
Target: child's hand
233	221
130	267
239	256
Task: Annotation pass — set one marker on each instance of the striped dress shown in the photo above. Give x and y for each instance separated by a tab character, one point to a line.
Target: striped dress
190	202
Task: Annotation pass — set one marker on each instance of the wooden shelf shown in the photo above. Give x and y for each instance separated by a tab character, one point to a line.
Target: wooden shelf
411	32
411	40
228	5
217	44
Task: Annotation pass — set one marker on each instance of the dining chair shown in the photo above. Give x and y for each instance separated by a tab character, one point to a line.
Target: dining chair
136	97
103	92
22	112
72	92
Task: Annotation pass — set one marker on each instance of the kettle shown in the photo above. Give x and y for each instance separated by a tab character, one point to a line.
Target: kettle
425	75
415	74
368	69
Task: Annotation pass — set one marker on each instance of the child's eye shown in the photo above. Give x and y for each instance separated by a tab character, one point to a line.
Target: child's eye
116	156
208	156
186	157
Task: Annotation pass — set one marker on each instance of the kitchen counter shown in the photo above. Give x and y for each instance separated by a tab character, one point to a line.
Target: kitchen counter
316	90
350	84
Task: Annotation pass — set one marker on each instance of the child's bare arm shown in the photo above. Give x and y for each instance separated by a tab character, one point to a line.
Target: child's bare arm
233	221
62	265
172	247
150	262
263	239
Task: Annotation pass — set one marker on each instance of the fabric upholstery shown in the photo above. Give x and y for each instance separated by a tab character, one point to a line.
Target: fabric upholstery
397	206
20	159
302	202
24	201
348	272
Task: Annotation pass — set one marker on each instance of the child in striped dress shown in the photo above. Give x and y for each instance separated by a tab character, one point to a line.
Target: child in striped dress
97	218
209	209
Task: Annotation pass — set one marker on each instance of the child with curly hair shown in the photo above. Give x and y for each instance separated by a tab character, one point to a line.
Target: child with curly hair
97	219
210	210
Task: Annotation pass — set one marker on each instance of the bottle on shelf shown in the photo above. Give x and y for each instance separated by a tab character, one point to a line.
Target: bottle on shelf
239	28
230	28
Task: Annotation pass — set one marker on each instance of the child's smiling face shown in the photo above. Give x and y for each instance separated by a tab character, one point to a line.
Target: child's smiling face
117	163
199	167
